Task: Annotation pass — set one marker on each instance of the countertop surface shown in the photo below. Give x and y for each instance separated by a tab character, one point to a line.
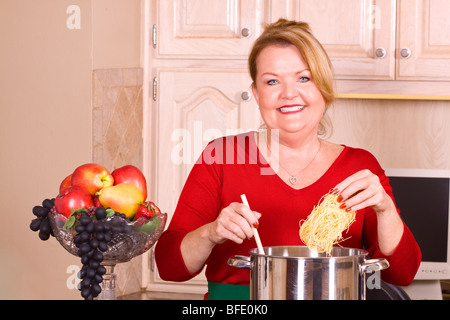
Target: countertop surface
147	295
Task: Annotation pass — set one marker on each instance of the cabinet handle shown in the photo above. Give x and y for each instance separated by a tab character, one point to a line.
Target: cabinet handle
246	32
246	96
405	53
380	53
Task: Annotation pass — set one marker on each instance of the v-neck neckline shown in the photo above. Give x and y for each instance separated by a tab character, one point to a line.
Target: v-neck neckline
285	184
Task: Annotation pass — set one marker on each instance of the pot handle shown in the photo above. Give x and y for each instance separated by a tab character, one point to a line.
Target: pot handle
371	265
242	262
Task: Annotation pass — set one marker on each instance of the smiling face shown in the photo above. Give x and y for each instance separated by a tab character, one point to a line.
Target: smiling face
286	94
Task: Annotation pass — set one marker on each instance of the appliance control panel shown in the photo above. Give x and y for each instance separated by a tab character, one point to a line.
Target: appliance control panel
433	272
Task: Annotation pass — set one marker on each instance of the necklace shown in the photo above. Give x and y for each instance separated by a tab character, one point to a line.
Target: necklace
293	177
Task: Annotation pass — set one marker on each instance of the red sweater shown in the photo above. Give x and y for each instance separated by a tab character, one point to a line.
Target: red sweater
232	166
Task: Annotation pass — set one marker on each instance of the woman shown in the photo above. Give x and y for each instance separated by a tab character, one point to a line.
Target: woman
283	180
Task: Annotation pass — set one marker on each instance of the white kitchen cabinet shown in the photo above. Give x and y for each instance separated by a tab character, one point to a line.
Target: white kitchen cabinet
219	29
358	35
193	107
365	39
423	44
379	39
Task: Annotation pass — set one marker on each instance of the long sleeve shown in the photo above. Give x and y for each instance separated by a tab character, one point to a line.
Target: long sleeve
404	261
199	204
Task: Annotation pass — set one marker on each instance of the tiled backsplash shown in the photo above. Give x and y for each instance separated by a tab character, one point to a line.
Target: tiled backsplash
117	117
117	140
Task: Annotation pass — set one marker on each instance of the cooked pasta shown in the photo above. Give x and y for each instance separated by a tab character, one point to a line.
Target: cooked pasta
324	226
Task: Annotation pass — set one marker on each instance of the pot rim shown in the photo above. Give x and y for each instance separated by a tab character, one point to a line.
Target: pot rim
313	255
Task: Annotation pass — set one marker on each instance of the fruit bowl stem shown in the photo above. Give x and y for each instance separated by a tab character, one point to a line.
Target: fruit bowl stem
108	284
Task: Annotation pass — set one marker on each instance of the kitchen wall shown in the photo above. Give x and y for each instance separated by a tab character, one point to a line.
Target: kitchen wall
47	63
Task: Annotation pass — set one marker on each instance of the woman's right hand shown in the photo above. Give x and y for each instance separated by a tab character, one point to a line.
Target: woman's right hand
233	223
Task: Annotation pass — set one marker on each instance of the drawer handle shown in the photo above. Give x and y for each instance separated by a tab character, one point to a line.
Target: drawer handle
380	53
246	96
405	53
246	32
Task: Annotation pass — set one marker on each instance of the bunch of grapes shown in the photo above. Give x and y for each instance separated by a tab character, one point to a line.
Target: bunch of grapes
92	240
42	223
93	234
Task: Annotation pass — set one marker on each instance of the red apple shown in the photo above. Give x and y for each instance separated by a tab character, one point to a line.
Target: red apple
73	197
92	177
131	174
66	183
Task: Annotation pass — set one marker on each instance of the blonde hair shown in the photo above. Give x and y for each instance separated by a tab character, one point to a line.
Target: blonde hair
297	33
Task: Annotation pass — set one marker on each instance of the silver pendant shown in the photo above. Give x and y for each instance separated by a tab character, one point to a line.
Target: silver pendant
293	180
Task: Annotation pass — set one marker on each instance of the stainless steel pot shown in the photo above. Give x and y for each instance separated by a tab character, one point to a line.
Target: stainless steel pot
297	273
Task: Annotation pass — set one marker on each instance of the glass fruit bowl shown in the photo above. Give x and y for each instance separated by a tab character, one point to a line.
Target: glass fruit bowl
127	240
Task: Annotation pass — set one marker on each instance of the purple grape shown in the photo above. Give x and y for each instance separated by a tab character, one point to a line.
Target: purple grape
35	224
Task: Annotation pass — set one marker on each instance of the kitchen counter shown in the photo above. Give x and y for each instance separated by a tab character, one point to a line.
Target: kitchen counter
147	295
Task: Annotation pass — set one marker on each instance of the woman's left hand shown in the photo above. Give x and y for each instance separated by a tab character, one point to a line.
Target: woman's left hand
364	189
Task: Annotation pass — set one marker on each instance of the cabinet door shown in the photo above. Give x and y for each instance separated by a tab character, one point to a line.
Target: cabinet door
353	32
194	107
207	29
424	40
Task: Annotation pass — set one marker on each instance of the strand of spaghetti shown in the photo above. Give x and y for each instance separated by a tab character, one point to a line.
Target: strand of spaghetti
324	226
